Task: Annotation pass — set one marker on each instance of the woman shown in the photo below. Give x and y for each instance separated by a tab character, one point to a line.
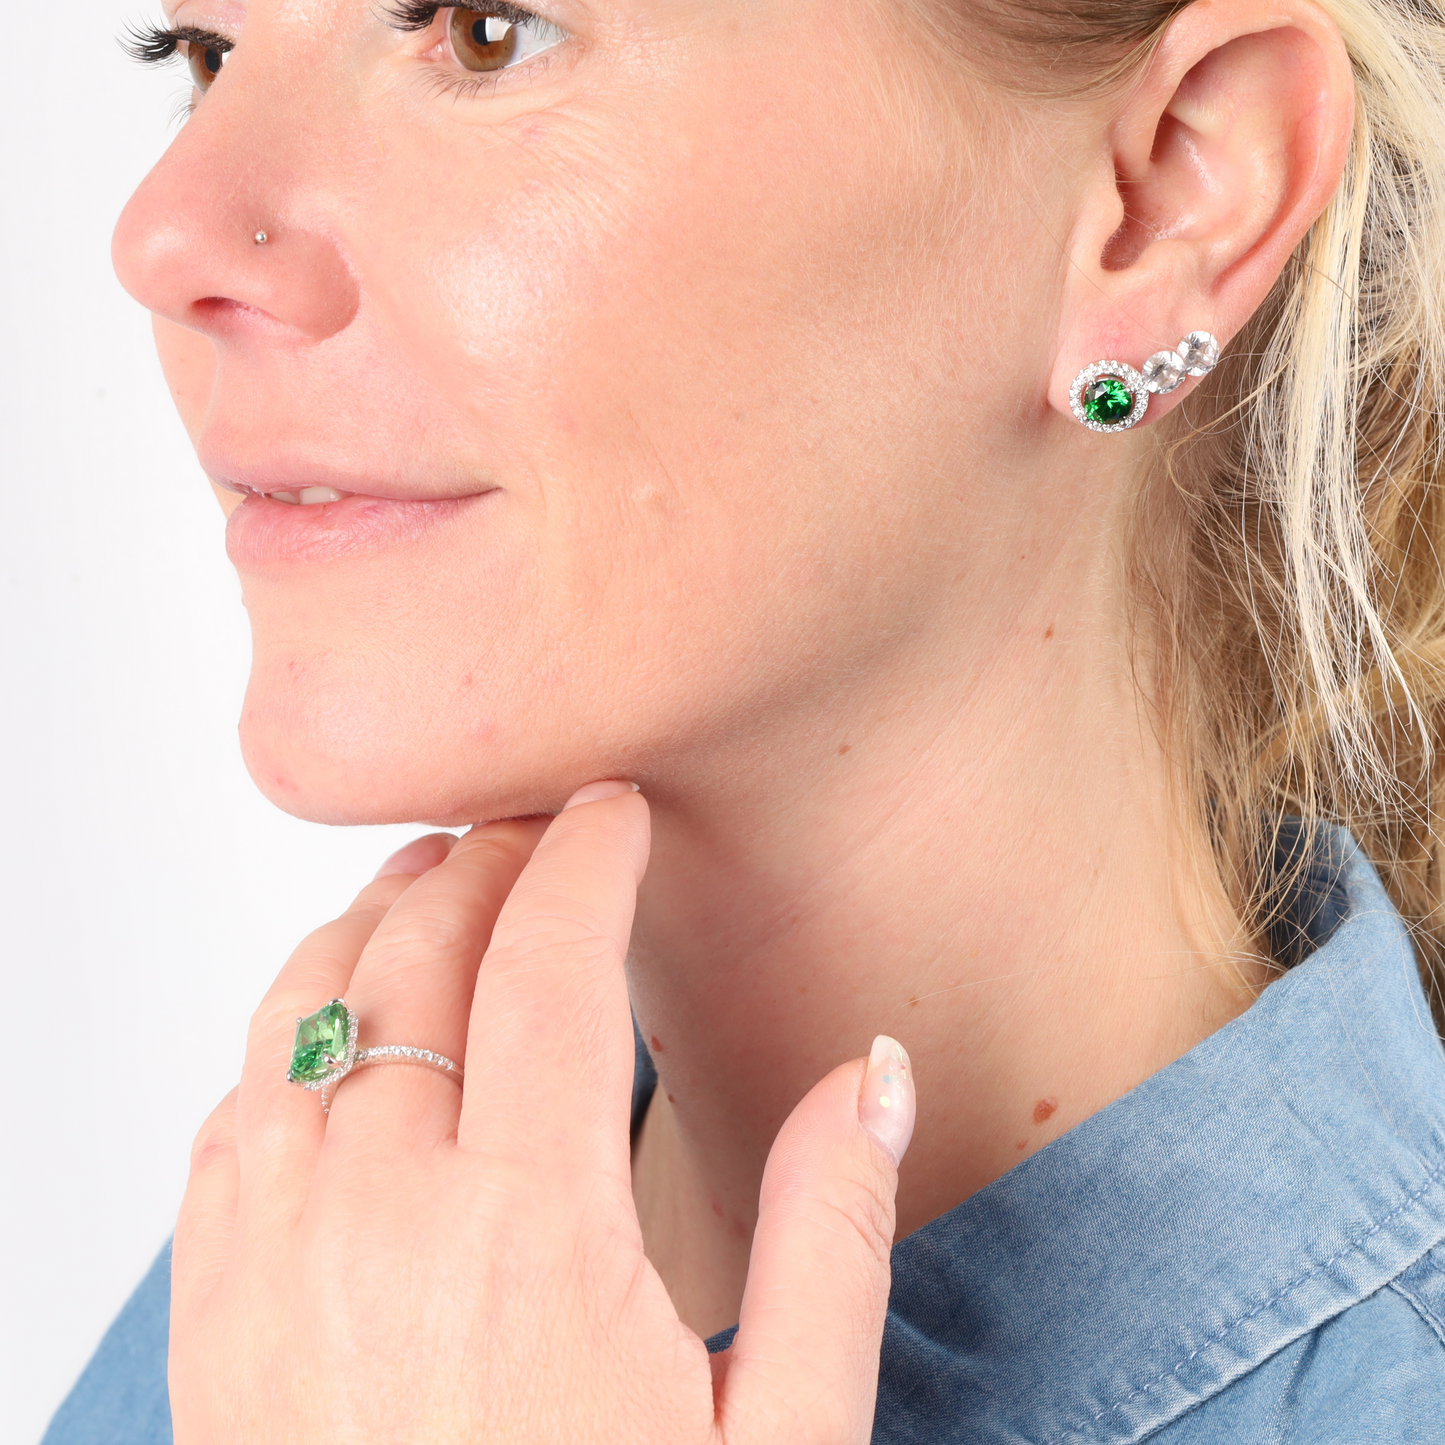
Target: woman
688	397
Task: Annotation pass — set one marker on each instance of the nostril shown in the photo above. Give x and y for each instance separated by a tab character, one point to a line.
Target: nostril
214	312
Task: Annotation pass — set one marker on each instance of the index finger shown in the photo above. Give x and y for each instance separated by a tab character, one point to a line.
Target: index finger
549	1044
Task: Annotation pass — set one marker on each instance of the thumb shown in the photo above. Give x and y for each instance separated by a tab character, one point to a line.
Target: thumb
804	1365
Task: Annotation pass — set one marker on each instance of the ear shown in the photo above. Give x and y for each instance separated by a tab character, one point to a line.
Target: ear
1211	169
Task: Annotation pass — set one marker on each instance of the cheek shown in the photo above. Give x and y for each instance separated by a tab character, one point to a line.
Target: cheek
707	377
688	274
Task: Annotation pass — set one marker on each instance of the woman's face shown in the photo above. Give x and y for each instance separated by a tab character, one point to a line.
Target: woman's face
667	369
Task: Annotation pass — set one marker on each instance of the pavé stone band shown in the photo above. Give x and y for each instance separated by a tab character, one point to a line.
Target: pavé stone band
325	1052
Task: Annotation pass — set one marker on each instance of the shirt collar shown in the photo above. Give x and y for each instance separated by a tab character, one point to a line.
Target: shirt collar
1286	1167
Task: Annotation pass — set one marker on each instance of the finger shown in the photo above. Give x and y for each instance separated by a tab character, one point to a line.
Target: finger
804	1367
550	1053
207	1221
419	856
279	1126
413	987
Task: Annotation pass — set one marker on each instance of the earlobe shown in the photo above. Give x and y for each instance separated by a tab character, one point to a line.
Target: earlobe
1222	156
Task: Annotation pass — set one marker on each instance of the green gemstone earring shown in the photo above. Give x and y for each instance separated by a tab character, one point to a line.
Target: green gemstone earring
1111	396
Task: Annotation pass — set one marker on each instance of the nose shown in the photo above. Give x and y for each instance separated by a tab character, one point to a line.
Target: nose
189	245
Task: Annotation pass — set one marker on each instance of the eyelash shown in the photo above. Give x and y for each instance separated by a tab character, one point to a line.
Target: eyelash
411	15
152	45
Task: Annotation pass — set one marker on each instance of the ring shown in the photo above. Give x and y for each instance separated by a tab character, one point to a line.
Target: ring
325	1052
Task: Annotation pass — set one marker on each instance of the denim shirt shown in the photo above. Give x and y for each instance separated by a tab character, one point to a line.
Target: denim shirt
1246	1248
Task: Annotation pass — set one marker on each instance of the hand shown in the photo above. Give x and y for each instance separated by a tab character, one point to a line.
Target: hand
436	1265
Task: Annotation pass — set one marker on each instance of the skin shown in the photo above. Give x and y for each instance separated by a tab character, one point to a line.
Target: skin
440	1264
748	332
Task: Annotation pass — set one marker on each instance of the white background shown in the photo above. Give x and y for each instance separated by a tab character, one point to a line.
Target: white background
148	892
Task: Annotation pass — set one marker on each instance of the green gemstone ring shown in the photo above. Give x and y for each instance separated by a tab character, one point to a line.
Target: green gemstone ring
325	1052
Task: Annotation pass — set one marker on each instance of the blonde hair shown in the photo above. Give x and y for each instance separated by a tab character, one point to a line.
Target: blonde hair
1288	558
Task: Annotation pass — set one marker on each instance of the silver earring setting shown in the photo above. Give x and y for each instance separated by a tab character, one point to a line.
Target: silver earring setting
1111	396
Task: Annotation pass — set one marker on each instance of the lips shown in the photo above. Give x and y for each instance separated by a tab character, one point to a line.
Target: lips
314	524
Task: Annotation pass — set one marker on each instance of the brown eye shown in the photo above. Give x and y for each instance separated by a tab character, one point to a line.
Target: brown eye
205	59
482	41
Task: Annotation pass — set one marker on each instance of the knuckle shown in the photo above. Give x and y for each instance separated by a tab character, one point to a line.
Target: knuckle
273	1024
311	978
215	1140
501	845
557	925
417	938
368	908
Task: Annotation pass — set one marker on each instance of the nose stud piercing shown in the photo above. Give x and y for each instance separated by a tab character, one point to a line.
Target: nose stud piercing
1111	396
261	238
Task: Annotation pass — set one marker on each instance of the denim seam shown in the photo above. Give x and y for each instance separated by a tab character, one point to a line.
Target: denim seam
1422	1309
1430	1181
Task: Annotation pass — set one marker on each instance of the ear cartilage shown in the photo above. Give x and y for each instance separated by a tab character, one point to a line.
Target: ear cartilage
1111	396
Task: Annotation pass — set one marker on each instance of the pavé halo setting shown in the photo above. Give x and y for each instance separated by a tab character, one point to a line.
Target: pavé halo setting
325	1051
1110	396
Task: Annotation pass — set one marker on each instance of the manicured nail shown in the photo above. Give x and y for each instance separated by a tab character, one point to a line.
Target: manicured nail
418	856
885	1107
595	792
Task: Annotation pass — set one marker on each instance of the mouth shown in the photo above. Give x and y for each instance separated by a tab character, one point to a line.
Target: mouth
305	497
319	523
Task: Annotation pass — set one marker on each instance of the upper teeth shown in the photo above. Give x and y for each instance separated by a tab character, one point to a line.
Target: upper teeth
307	496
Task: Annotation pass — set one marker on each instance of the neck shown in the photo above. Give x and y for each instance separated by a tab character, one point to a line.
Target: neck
980	858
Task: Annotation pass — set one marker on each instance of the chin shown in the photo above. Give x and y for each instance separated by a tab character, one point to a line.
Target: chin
350	791
349	758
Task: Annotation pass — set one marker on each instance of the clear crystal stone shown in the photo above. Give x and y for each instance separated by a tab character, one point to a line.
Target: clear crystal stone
1163	372
1199	352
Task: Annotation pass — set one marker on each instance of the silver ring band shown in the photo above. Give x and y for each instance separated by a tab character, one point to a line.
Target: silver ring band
405	1054
388	1054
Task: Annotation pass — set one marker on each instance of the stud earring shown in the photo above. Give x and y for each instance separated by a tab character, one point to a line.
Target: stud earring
260	238
1111	396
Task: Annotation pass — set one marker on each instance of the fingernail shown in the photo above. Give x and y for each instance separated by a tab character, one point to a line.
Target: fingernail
885	1107
418	856
595	792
